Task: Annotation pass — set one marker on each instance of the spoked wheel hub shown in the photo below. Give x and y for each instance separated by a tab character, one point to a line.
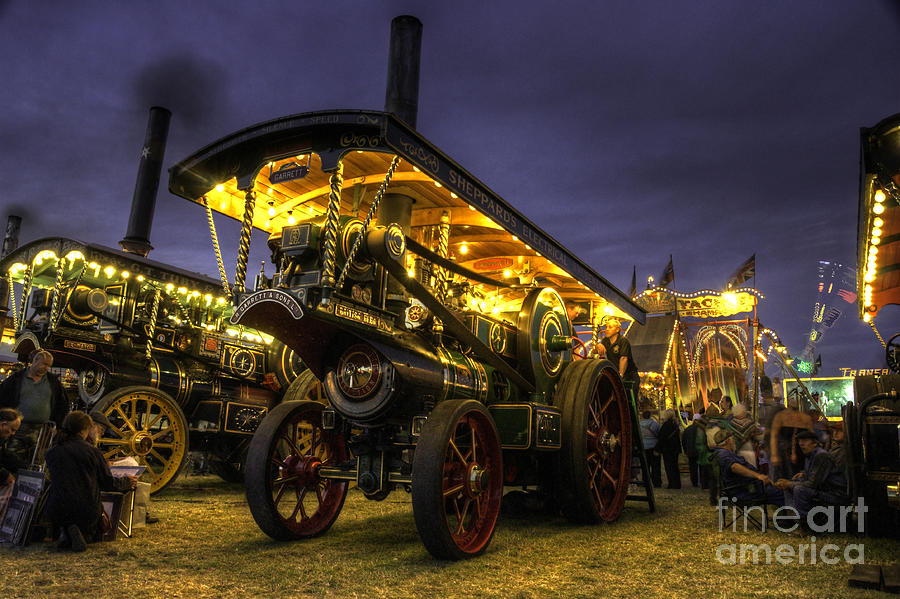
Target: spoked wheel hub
300	471
604	444
478	480
141	443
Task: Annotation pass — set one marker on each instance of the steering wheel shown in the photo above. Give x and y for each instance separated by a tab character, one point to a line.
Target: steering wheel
579	349
892	353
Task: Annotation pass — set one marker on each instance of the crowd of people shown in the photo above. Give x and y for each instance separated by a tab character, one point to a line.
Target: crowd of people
77	469
785	457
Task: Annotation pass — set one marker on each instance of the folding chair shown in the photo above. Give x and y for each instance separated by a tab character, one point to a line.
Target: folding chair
739	508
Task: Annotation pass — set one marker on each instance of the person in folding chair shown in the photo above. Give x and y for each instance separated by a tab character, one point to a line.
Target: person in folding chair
821	481
739	481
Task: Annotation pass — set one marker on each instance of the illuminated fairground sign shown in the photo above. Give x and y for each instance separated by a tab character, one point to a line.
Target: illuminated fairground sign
701	304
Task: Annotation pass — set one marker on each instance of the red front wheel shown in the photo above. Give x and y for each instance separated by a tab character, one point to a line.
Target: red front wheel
286	496
457	480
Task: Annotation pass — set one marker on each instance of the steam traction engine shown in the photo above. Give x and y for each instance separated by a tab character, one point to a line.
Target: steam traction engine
435	315
153	349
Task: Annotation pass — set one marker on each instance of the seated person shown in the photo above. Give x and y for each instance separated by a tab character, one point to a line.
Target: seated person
10	419
738	478
822	479
78	472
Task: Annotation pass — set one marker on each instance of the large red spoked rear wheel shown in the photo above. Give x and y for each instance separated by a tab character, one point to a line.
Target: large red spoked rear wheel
595	459
457	480
286	496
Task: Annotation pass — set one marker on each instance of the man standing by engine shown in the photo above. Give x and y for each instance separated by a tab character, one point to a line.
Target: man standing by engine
618	351
39	396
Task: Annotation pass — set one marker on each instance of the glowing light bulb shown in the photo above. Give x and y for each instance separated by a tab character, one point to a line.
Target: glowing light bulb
271	210
876	232
878	222
109	271
291	219
464	249
879	196
878	208
220	187
507	273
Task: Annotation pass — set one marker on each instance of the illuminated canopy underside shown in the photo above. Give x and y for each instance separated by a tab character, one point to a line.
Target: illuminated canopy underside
878	231
487	235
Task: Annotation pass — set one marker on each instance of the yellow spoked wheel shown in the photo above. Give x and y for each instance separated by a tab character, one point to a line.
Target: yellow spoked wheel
148	425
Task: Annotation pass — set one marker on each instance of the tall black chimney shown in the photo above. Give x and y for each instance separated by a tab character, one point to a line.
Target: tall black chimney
402	96
137	239
11	240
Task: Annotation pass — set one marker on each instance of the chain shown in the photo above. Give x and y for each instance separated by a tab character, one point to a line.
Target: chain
889	186
151	331
877	334
57	290
443	250
215	242
331	226
240	275
365	225
26	289
12	302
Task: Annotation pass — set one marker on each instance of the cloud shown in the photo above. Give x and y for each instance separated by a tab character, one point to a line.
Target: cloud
189	85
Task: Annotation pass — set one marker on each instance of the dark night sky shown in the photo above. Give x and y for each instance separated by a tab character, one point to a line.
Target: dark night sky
707	130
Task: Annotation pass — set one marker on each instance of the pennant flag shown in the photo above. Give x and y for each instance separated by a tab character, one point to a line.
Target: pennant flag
633	290
744	272
668	274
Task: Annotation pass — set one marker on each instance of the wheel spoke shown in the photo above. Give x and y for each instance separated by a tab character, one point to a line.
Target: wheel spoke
116	430
474	445
156	419
298	507
615	483
279	494
125	418
454	490
156	454
156	436
462	518
107	441
596	492
285	479
290	443
457	452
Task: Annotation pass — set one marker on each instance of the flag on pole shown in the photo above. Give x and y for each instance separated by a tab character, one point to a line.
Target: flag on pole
744	272
668	274
633	290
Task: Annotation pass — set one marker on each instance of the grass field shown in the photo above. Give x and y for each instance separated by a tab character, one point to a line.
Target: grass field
207	545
